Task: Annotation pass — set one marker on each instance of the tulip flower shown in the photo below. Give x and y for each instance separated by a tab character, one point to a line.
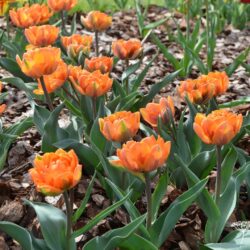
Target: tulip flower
41	36
220	80
60	5
93	84
76	43
54	80
217	128
96	21
127	50
143	157
152	111
104	64
56	172
4	6
74	72
121	126
39	62
198	91
30	15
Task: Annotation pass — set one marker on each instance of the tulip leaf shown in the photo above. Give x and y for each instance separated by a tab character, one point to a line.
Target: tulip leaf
156	89
205	200
40	117
226	204
228	168
128	204
236	240
136	83
159	193
22	236
100	217
52	131
113	238
130	70
163	226
53	224
137	242
84	202
8	135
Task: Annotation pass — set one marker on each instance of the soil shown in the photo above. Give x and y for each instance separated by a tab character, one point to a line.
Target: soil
15	183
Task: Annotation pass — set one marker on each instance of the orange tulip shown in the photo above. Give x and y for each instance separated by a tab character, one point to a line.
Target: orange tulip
92	84
153	110
30	15
74	72
53	173
144	156
198	91
76	43
41	36
104	64
218	128
120	126
126	50
40	61
220	80
96	21
53	81
60	5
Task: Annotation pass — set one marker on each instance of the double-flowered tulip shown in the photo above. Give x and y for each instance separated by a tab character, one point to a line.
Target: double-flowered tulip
103	63
144	156
120	126
56	172
96	21
41	36
40	61
217	128
30	15
163	109
127	50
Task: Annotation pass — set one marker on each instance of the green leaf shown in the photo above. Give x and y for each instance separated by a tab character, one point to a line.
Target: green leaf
159	192
113	238
84	202
100	217
141	76
237	61
12	133
170	57
53	224
205	201
20	234
227	168
52	131
130	70
136	242
40	117
155	89
163	226
234	103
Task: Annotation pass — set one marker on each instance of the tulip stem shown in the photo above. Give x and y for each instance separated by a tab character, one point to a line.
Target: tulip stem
47	97
94	106
127	80
96	43
149	201
188	19
69	219
218	177
70	95
63	23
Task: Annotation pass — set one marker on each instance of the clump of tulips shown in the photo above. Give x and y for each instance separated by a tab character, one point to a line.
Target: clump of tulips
125	139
